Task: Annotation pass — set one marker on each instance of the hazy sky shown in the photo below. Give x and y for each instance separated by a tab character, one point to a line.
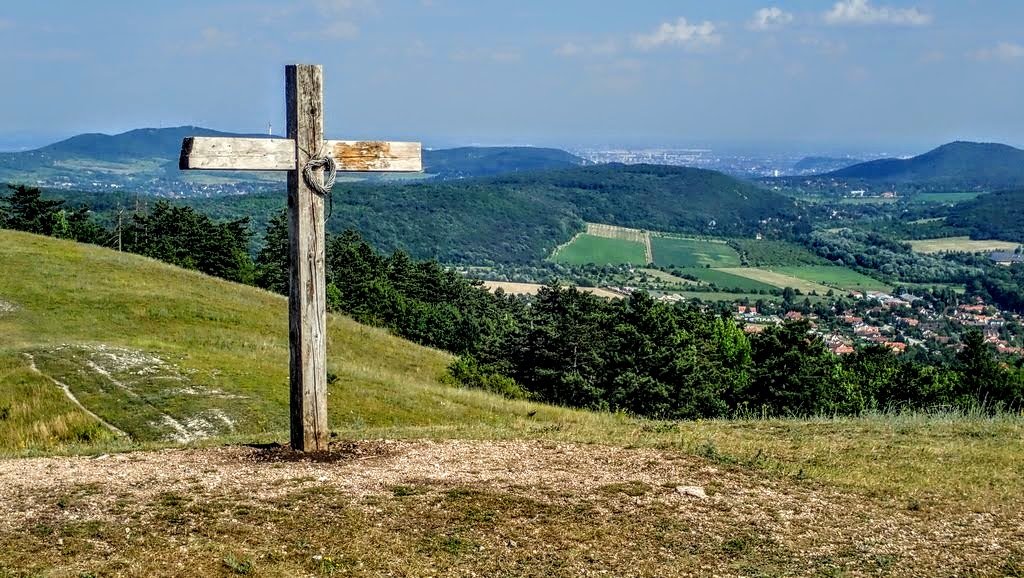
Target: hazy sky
859	73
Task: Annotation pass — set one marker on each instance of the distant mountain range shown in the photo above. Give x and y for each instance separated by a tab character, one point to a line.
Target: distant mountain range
134	144
954	165
146	160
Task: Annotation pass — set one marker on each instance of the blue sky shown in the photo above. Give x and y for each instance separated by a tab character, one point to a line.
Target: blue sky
884	74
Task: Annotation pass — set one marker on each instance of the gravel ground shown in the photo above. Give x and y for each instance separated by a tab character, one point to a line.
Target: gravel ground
809	521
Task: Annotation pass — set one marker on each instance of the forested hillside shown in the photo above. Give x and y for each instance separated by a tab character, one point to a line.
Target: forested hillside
515	218
815	165
957	164
484	161
999	215
521	218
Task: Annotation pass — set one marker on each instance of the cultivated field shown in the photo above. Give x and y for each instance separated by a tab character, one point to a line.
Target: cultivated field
624	233
616	232
728	296
684	252
667	277
511	288
832	276
961	245
776	279
725	279
948	198
586	248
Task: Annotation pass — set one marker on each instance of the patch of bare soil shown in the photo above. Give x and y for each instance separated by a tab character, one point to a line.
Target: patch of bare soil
471	507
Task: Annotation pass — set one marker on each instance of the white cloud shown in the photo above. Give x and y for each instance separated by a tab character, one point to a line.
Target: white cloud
603	48
771	18
863	12
680	33
1005	51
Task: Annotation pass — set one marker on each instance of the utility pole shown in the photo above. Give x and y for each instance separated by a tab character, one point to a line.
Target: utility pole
120	213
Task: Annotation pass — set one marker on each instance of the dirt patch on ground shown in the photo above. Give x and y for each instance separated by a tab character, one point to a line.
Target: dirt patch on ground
467	507
339	451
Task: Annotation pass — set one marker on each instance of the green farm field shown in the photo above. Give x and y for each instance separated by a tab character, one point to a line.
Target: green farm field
776	279
838	277
945	198
727	296
727	279
682	252
667	277
586	249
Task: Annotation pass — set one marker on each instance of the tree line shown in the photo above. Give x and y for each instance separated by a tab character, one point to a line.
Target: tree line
671	361
562	346
179	235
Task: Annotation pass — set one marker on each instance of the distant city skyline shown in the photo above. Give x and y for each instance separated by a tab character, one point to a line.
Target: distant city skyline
891	76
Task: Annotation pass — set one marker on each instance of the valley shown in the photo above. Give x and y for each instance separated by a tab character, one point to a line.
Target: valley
653	382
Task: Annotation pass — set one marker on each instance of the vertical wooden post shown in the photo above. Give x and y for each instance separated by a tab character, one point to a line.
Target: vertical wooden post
307	303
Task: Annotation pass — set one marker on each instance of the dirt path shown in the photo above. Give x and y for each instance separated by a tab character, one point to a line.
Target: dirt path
71	396
464	507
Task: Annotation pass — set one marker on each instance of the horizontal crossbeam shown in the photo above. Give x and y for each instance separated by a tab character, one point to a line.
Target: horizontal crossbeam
278	154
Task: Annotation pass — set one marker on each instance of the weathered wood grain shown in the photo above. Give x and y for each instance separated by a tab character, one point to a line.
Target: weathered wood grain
307	296
238	154
278	154
376	156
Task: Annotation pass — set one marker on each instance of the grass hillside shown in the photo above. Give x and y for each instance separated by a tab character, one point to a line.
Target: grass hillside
169	355
157	356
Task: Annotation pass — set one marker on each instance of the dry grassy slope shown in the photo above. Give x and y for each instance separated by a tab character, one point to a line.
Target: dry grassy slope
170	355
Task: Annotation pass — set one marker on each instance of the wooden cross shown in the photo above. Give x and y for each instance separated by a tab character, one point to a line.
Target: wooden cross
307	305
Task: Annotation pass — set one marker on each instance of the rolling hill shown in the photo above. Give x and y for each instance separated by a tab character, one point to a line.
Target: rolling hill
954	165
522	217
130	145
487	161
815	165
